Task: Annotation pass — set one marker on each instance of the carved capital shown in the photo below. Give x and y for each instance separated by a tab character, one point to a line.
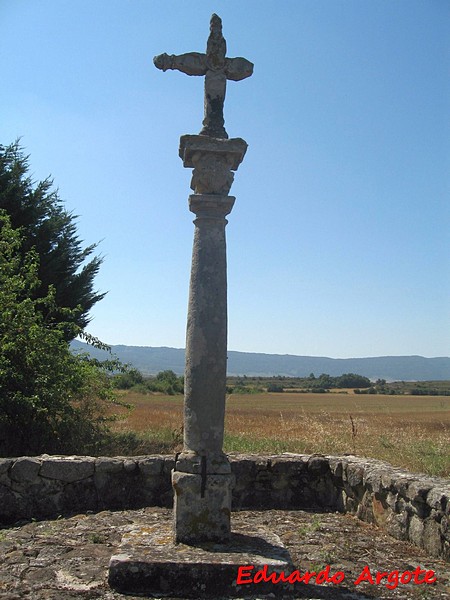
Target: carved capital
213	161
212	174
234	149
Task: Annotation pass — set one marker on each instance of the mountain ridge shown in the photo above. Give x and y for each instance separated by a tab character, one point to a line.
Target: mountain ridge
150	360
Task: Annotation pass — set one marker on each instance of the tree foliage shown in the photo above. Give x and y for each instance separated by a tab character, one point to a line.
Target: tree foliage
352	380
50	400
47	228
128	380
165	382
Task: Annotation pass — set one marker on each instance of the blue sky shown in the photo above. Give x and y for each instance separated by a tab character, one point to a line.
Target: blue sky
338	244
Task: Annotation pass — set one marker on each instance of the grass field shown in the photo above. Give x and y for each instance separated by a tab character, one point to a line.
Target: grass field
408	431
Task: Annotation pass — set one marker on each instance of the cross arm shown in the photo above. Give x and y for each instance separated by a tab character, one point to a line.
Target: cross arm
238	68
192	63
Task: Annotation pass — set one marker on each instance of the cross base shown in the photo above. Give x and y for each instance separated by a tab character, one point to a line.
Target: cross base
149	563
202	507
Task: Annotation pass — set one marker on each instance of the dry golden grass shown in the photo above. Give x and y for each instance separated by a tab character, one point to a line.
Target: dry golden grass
408	431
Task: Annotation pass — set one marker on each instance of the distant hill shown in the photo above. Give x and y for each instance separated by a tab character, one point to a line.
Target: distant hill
392	368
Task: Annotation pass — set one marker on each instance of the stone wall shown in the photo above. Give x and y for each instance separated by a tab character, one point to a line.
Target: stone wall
407	506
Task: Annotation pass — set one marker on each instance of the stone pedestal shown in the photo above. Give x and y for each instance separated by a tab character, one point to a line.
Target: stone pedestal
202	476
202	507
149	563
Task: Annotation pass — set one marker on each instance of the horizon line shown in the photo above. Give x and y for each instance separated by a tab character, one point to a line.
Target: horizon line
279	353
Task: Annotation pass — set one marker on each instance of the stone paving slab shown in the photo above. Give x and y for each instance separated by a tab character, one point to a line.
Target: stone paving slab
67	559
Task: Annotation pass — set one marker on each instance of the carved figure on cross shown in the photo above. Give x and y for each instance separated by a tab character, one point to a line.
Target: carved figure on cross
216	68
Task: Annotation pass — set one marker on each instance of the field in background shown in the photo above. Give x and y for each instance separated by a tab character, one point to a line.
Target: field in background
408	431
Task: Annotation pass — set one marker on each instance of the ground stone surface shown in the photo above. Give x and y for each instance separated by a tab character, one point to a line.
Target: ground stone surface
67	559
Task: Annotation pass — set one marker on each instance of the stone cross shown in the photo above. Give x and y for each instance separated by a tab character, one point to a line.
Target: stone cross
216	68
202	477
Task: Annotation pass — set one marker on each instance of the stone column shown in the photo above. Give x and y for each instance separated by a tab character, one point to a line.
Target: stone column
202	475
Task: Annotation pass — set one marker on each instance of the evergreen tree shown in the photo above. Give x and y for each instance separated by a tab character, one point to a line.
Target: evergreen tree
50	400
50	230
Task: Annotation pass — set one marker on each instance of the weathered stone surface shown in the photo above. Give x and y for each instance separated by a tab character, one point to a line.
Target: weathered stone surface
148	562
245	470
10	506
318	465
261	482
120	489
45	499
206	337
67	468
79	496
202	479
5	464
216	68
108	465
205	496
191	145
214	161
432	538
25	469
129	466
202	507
150	465
213	462
439	498
416	531
74	554
354	475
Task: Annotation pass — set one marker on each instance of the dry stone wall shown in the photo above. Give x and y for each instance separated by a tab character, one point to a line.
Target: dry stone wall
409	507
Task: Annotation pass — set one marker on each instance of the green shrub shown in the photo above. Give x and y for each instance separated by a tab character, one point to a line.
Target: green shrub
127	380
50	400
275	387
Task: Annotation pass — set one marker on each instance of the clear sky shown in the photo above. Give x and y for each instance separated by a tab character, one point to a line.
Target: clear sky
338	244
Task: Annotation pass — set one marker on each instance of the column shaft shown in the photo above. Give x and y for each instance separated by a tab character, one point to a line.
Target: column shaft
206	339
